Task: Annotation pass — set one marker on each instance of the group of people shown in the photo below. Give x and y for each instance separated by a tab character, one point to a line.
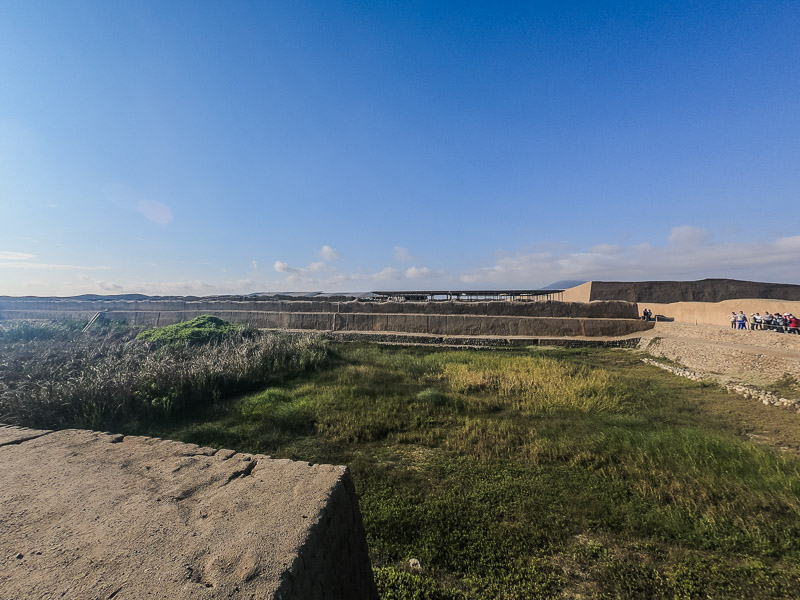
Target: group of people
782	323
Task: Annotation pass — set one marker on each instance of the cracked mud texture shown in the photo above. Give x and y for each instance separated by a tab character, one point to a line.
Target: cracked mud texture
94	515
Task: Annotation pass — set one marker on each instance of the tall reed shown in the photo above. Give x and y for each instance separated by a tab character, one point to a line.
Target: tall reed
51	376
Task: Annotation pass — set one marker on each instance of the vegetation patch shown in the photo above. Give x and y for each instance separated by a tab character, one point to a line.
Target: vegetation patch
200	330
29	330
536	473
53	376
528	473
786	386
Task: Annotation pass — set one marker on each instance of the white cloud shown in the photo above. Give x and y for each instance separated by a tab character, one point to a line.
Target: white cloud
417	272
789	244
282	267
297	275
402	254
689	254
688	235
387	274
16	256
685	253
320	267
82	284
328	254
255	264
155	211
605	249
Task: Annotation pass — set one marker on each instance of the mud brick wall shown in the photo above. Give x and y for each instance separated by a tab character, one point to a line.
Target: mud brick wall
552	318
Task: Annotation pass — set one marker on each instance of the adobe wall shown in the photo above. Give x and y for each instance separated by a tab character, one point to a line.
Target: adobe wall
579	293
709	301
551	318
705	290
717	313
94	515
612	309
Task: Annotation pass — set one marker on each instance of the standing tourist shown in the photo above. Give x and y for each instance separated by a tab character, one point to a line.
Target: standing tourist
742	320
733	320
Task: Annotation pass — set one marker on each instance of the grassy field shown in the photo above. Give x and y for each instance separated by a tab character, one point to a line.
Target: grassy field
538	473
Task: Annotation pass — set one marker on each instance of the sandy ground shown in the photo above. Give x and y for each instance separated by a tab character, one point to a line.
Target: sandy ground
753	357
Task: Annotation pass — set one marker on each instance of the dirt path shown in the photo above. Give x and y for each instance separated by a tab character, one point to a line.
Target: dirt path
757	358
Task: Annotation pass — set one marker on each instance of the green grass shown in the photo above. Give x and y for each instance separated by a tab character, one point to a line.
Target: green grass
200	330
786	386
538	473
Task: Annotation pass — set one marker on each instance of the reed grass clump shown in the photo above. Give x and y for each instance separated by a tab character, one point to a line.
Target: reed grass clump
56	376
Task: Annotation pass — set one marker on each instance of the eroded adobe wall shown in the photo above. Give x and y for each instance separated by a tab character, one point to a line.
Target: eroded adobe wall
705	290
718	313
94	515
553	319
611	309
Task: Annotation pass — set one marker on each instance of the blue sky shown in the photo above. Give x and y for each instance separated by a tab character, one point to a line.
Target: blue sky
236	147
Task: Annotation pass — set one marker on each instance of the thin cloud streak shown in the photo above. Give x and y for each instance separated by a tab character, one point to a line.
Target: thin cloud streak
50	267
155	211
16	256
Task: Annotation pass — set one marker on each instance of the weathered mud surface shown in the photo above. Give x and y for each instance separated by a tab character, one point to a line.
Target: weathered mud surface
93	515
551	319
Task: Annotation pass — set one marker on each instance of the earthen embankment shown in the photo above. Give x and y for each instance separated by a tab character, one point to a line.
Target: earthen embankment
94	515
553	319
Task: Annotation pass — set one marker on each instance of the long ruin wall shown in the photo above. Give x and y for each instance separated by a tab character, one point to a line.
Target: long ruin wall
554	319
609	310
705	290
95	515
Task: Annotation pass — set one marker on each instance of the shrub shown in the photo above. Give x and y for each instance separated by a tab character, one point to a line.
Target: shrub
27	331
200	330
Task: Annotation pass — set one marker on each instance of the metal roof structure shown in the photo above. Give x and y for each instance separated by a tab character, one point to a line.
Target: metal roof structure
469	295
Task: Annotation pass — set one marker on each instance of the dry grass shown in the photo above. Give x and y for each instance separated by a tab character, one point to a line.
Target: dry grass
535	385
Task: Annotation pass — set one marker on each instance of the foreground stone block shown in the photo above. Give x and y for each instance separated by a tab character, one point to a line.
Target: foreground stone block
94	515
